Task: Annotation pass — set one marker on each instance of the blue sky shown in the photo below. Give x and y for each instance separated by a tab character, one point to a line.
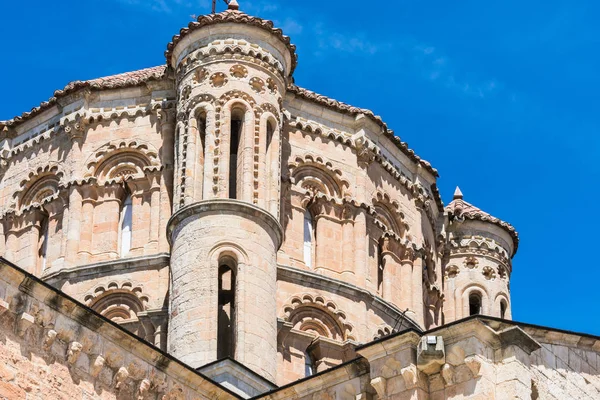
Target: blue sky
501	97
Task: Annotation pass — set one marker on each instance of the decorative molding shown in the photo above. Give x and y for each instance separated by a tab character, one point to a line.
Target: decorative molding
232	16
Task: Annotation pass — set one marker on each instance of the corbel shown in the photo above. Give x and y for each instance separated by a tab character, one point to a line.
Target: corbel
49	339
120	377
379	384
24	322
4	306
97	365
447	373
410	375
73	352
474	364
144	389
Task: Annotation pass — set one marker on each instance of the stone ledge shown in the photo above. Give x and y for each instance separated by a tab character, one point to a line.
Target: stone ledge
223	206
110	266
306	278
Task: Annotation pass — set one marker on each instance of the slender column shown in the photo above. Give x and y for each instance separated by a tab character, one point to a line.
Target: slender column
360	247
406	278
348	249
11	239
74	225
247	158
417	288
154	231
87	224
389	266
320	242
2	239
167	195
194	159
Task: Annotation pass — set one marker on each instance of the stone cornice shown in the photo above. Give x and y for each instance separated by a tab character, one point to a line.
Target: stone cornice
111	267
127	79
307	278
421	196
236	17
226	206
351	110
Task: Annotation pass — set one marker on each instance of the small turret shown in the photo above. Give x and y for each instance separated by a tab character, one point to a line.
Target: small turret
478	268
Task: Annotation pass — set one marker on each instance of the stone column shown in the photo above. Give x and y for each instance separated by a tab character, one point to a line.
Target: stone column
155	206
87	223
360	247
74	225
417	290
406	280
347	246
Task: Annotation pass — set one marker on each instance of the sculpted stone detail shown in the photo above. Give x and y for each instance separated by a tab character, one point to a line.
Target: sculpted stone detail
489	273
117	302
471	262
40	187
452	271
117	160
383	332
314	314
238	71
257	84
73	352
218	79
317	175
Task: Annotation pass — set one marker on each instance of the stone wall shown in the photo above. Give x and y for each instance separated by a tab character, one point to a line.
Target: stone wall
53	347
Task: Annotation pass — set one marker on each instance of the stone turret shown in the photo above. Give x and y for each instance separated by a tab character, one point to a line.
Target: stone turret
231	72
478	268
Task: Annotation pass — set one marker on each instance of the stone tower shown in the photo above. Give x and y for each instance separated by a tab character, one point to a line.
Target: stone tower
477	273
231	71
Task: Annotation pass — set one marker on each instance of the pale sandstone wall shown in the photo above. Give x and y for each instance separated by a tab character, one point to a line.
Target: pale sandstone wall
52	347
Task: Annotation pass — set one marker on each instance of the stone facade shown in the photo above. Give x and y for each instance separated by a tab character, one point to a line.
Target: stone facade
217	211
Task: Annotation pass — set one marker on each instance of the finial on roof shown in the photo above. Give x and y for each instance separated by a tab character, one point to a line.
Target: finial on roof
233	5
458	194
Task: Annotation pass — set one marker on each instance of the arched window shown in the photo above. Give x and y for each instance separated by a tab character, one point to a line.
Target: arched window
380	267
226	318
474	303
237	124
309	368
502	309
308	238
43	242
126	225
201	121
270	131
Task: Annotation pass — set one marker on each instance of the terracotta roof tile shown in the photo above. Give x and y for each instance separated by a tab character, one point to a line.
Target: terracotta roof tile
110	82
458	208
238	17
348	109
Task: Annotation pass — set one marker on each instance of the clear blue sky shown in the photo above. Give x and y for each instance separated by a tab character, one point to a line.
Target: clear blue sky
501	97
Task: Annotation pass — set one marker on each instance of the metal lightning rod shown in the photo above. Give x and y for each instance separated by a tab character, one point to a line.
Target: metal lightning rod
214	5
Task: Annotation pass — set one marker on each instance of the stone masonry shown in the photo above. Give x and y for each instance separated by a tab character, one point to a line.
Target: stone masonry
206	229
